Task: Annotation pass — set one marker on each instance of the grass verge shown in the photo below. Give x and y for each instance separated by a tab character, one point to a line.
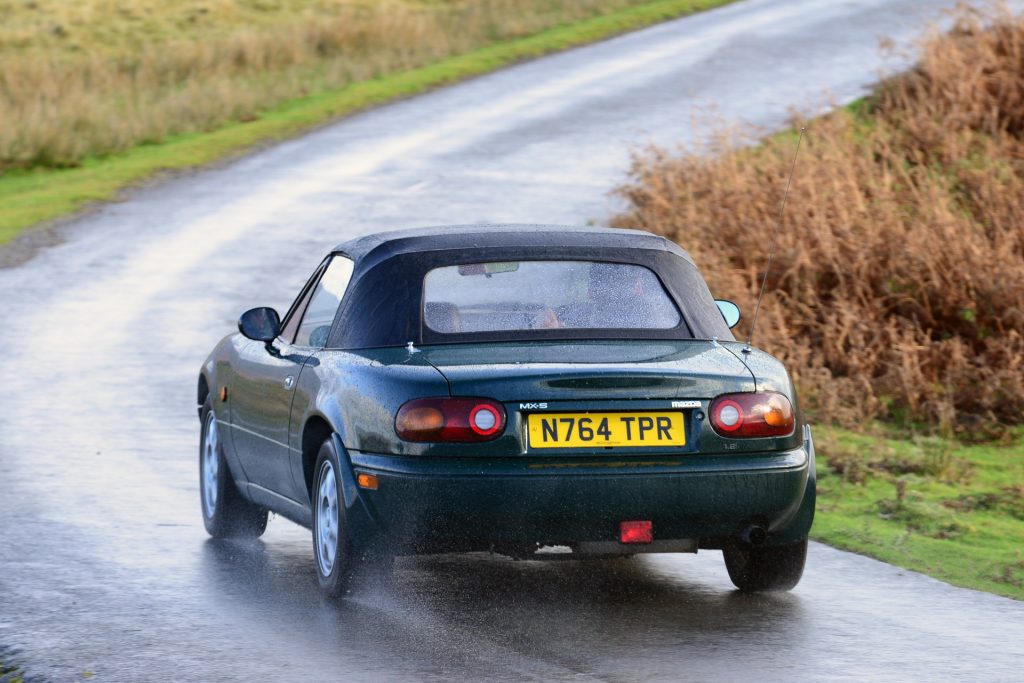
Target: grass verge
95	77
953	511
33	196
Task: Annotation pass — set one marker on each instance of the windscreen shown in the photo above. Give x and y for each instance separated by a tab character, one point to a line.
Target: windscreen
537	295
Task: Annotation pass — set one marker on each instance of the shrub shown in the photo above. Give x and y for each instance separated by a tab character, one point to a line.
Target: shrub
897	289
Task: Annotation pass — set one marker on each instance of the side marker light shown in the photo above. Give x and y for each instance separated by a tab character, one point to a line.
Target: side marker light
367	481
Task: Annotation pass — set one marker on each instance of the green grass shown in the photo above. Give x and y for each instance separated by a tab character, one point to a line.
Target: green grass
28	198
950	510
9	674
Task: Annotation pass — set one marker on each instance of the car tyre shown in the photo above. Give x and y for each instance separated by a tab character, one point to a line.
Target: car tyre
338	563
766	568
226	514
332	547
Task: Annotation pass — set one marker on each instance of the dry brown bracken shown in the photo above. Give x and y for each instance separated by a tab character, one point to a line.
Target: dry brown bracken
898	284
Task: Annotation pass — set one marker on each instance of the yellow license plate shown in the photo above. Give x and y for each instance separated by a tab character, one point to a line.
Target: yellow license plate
602	430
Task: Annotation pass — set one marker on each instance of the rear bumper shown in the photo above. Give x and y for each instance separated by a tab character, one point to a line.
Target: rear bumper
429	504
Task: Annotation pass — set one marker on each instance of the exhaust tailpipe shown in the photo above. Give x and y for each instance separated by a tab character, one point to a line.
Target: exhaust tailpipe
754	535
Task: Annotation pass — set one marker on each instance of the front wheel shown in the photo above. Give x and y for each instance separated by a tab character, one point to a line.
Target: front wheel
225	512
768	568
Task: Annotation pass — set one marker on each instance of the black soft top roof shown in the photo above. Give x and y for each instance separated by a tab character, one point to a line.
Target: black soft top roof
383	245
383	303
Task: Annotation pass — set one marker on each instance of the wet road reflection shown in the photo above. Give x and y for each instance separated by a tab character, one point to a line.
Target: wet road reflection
640	618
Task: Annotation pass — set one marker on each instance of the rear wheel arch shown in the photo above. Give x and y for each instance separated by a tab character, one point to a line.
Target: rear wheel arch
316	430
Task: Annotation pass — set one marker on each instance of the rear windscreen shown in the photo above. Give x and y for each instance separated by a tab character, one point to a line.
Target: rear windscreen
538	295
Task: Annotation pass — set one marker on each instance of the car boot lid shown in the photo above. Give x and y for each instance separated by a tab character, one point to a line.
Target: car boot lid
605	370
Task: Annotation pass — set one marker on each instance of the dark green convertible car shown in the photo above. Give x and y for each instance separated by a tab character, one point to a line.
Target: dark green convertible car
534	391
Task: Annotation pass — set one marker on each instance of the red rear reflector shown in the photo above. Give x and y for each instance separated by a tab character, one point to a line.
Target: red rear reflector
636	532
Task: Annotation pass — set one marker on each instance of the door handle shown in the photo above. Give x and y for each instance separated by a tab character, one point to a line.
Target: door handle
289	382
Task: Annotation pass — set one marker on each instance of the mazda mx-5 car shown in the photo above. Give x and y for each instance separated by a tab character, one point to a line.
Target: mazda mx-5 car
527	390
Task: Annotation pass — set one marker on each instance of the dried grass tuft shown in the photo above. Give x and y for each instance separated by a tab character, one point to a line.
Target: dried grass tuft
96	77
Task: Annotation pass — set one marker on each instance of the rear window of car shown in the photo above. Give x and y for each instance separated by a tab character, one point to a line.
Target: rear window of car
538	295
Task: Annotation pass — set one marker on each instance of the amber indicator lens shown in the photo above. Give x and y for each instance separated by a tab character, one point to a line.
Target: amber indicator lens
367	481
451	420
421	420
752	415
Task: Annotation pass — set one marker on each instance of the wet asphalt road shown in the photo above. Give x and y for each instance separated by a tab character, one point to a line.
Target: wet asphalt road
104	565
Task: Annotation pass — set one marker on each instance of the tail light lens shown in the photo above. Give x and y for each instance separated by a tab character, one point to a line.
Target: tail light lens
759	414
450	420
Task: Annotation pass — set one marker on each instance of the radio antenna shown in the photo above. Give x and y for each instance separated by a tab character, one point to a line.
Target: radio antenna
771	250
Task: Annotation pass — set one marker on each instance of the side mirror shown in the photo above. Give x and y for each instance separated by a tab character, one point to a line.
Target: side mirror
729	311
261	324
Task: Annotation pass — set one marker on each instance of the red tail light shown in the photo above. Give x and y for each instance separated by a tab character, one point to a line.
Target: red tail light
759	414
450	420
